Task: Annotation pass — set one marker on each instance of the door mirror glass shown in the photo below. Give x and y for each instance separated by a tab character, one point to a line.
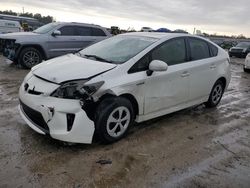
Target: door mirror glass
56	33
158	66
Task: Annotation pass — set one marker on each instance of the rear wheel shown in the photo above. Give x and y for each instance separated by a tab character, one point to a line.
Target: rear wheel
216	94
113	118
30	57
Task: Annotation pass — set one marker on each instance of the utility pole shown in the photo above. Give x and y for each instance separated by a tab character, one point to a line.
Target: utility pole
23	10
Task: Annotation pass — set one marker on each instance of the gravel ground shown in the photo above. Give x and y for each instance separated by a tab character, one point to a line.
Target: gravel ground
196	147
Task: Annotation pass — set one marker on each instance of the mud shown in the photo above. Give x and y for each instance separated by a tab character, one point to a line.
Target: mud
196	147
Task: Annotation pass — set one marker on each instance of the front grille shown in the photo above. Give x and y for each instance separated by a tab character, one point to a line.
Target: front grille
36	117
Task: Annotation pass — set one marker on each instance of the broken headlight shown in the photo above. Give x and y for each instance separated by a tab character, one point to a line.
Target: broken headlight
77	90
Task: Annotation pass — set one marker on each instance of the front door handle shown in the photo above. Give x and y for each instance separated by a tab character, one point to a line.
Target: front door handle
213	66
185	74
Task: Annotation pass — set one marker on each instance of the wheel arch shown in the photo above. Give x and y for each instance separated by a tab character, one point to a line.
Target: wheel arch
127	96
133	101
224	81
36	46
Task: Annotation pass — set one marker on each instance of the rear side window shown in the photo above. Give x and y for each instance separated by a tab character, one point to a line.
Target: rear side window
172	52
199	49
83	31
67	31
97	32
214	50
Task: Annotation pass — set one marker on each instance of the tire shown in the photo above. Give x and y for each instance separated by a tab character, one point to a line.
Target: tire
30	57
216	94
109	126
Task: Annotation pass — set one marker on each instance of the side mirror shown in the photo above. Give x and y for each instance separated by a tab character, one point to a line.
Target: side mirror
56	33
157	66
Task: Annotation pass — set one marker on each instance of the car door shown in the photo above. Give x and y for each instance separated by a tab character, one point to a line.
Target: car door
202	69
65	43
98	34
84	36
167	89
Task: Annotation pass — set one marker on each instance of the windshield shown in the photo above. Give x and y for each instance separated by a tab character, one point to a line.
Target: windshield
118	49
243	44
46	28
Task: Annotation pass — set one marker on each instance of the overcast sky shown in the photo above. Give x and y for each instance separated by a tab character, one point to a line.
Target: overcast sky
212	16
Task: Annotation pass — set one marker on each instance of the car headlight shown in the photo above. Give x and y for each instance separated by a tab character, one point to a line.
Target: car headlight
244	50
77	90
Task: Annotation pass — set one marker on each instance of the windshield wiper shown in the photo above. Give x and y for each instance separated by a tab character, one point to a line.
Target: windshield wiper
100	58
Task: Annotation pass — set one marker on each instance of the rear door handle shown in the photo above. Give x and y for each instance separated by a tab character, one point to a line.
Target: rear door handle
185	74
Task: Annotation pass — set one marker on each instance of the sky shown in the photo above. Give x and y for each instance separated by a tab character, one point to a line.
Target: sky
229	17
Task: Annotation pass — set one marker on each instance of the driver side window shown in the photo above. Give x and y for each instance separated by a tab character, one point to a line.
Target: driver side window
172	52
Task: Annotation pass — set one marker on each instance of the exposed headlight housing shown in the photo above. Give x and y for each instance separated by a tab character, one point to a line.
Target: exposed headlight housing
77	90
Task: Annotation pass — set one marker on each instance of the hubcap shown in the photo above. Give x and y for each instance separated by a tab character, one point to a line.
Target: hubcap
217	94
31	58
118	121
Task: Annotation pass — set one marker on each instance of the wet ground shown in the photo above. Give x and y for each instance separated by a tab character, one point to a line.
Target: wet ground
196	147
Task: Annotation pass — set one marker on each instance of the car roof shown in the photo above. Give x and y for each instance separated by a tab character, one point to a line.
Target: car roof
157	35
78	23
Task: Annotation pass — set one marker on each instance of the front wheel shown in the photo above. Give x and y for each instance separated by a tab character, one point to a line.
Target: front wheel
216	94
30	57
113	118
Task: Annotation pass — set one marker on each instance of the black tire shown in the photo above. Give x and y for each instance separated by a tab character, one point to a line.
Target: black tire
246	70
30	57
105	112
216	94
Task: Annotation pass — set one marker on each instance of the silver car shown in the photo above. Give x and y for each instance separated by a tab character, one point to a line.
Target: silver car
51	40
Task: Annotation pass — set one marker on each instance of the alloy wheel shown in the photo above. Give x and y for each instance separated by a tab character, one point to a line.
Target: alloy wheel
118	121
217	93
31	58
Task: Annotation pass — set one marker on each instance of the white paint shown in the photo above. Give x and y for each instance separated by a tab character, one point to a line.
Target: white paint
178	87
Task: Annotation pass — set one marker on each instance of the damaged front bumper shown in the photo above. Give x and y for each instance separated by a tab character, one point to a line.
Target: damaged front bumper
62	119
9	48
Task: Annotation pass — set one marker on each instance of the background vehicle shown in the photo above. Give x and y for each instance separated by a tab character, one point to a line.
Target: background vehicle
240	50
51	40
130	77
7	26
114	30
146	29
163	30
25	22
247	63
179	31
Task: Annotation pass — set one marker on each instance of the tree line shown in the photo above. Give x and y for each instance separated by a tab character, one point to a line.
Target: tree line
39	17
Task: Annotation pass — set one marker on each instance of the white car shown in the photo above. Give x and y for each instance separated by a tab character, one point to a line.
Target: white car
8	26
247	63
104	88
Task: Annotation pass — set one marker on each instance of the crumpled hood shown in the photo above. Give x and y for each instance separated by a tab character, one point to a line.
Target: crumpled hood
18	35
70	67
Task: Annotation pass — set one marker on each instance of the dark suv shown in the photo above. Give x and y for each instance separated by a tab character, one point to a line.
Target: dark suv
240	50
51	40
